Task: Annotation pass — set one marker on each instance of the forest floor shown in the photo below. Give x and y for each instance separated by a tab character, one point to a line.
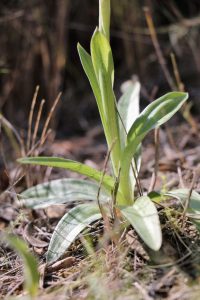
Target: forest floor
106	271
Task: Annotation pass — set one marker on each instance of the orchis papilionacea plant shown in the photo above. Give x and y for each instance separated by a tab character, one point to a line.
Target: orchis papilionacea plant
124	128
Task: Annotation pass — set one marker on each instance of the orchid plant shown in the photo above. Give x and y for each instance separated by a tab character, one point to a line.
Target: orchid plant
124	128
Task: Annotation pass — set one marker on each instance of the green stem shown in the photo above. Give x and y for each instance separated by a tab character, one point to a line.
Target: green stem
112	132
124	185
104	17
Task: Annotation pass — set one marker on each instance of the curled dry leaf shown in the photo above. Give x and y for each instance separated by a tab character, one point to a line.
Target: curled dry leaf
61	264
29	237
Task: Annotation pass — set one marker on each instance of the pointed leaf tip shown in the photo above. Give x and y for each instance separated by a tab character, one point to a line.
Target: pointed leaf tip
143	216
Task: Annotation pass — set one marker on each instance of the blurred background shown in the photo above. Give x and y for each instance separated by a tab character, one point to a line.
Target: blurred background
38	41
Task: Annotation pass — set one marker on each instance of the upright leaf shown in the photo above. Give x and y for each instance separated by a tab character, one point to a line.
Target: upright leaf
89	70
69	227
128	107
153	116
61	191
143	216
104	69
101	54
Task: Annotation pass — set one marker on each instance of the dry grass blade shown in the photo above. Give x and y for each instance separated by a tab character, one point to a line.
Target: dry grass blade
37	122
194	179
180	84
8	126
49	118
186	107
106	161
30	120
156	45
155	171
142	291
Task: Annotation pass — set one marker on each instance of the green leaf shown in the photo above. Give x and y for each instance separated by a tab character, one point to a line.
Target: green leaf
157	113
156	197
104	69
128	107
61	191
101	54
143	216
31	274
89	70
69	227
153	116
194	203
183	194
104	104
100	72
57	162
